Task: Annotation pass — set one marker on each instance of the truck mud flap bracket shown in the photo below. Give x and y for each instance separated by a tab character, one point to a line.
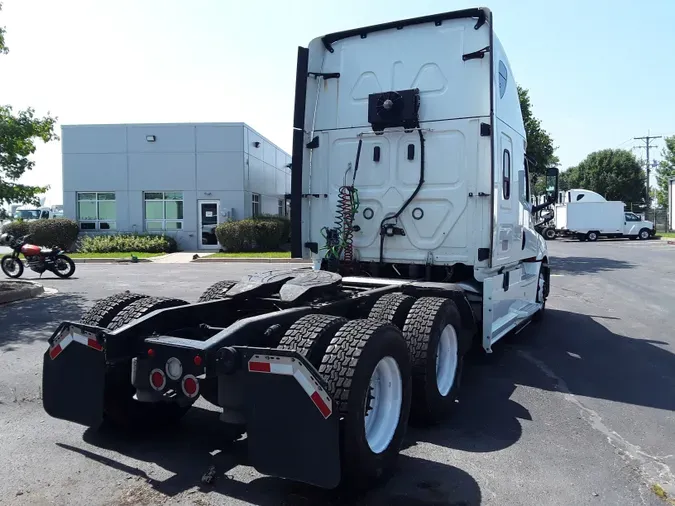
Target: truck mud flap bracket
293	430
73	377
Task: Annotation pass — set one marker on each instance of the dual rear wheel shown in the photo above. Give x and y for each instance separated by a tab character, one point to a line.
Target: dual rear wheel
402	363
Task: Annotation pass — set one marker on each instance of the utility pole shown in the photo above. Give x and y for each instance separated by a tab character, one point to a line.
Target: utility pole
647	140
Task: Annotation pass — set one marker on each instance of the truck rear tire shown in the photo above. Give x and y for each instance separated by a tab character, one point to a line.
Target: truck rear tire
433	333
217	290
120	408
104	310
367	369
592	236
140	308
392	308
311	335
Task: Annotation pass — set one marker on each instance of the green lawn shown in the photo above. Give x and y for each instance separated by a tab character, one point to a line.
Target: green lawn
252	254
670	235
114	255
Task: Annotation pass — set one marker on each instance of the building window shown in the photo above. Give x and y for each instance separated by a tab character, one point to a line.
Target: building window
163	211
506	178
96	210
281	207
255	204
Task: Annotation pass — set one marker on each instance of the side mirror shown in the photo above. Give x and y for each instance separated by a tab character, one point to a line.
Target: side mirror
552	184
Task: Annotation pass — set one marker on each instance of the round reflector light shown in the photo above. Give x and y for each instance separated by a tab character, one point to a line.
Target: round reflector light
157	379
174	368
190	386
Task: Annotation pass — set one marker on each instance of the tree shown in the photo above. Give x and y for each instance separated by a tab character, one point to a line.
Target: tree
540	147
18	133
665	171
568	179
613	173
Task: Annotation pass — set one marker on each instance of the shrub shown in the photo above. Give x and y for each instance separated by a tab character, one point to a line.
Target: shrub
60	232
285	223
125	243
16	228
253	234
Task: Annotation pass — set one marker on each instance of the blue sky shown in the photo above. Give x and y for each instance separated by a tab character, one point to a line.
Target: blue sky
599	72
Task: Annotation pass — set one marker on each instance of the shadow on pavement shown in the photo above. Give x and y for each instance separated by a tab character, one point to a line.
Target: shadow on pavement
35	319
487	419
190	449
565	353
572	352
587	265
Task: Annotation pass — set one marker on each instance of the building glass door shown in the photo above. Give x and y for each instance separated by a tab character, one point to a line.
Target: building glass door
208	221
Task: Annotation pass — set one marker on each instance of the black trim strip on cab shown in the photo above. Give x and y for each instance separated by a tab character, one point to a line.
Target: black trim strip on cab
483	14
493	140
298	150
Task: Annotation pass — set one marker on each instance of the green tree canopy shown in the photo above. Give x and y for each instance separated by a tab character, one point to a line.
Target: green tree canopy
613	173
540	148
665	171
18	133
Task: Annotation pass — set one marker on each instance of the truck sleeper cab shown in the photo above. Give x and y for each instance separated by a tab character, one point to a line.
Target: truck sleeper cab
410	196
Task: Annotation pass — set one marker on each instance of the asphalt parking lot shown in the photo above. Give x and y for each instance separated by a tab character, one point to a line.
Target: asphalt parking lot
579	409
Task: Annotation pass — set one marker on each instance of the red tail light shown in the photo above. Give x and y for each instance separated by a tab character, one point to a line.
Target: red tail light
190	386
157	379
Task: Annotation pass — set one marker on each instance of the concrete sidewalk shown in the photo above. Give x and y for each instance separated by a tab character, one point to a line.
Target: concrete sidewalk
182	257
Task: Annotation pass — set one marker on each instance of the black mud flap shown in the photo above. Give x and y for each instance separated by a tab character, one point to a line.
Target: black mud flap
73	380
292	425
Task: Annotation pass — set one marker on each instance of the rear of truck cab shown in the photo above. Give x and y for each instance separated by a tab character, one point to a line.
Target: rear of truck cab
442	58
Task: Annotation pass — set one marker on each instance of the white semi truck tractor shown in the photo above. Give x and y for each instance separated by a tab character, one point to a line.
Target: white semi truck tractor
410	198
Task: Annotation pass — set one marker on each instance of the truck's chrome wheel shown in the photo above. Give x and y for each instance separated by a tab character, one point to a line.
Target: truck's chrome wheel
383	404
446	360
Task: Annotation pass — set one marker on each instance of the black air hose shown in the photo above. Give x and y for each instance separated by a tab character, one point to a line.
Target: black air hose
407	202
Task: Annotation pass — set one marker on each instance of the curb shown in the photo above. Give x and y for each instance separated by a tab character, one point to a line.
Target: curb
108	260
244	260
29	291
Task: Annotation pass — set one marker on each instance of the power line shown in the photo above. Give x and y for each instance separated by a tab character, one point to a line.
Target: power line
647	139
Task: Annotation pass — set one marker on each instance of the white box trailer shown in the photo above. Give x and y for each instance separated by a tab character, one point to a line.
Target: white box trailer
587	215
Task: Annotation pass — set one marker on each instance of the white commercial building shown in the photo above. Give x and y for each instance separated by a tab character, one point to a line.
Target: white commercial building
181	179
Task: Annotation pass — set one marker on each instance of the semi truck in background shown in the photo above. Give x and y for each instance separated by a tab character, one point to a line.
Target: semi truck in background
587	215
411	197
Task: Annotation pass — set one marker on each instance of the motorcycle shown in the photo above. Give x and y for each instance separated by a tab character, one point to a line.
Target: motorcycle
37	259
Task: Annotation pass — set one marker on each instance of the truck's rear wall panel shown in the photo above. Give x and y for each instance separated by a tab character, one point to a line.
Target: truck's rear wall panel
454	99
384	185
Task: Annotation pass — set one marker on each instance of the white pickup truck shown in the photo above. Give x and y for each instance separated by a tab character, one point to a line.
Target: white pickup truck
587	215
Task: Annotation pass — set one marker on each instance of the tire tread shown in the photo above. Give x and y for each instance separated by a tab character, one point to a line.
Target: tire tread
104	310
217	290
392	308
342	355
140	308
311	335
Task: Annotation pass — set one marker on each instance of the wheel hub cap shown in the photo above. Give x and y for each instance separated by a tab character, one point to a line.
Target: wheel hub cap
383	404
446	360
